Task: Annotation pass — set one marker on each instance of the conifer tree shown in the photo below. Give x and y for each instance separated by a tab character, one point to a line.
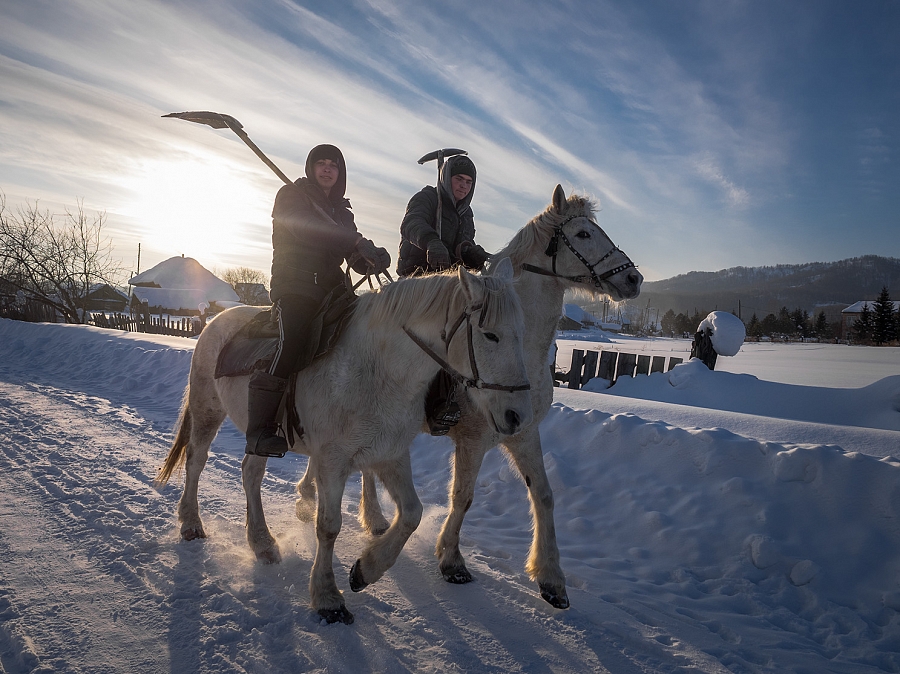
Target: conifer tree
883	318
822	329
862	327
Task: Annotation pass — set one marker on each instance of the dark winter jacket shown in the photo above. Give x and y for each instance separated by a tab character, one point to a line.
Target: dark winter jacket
311	236
419	225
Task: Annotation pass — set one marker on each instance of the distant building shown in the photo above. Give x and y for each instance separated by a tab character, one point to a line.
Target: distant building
254	294
851	314
104	297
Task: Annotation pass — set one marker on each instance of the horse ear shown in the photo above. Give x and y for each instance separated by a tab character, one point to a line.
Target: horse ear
559	199
471	285
503	270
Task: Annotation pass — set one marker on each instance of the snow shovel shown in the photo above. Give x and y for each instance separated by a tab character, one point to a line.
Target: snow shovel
219	121
440	155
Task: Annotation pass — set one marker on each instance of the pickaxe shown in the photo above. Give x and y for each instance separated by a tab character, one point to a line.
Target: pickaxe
440	155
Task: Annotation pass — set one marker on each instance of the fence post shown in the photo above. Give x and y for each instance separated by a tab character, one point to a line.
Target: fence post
626	365
575	369
590	366
607	368
643	364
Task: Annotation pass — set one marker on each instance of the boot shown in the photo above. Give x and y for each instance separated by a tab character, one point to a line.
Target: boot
441	409
264	397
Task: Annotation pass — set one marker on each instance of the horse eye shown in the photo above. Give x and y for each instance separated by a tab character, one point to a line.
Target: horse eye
491	336
583	234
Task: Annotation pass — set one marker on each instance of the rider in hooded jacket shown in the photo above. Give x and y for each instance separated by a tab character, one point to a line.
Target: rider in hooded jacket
313	232
421	249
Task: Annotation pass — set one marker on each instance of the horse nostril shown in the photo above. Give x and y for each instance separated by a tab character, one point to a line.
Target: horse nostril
512	419
633	278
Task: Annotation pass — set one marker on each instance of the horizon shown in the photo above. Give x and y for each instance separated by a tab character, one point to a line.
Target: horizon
712	137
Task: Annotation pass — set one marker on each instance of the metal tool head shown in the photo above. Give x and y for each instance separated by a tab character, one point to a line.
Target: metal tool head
214	119
441	155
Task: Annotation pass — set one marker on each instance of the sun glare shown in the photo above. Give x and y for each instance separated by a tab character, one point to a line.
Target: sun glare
198	207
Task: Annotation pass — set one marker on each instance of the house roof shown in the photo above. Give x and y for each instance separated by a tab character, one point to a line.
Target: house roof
185	273
858	307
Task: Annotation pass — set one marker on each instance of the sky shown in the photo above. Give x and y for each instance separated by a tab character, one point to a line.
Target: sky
712	134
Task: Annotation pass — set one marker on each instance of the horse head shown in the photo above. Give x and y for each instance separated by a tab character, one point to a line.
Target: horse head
488	349
565	242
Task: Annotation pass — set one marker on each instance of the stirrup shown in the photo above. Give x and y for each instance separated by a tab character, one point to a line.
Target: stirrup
445	416
266	442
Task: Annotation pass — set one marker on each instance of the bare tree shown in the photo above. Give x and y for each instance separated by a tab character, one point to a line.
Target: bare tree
54	263
236	275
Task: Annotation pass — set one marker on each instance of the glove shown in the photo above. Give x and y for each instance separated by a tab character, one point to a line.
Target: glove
377	260
437	255
472	255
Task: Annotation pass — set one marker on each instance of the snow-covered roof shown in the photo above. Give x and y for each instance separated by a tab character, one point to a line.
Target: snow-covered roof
172	299
576	313
185	273
858	307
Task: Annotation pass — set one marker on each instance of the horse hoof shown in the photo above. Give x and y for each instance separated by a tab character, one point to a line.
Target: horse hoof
193	533
459	576
556	598
356	580
305	510
269	556
337	615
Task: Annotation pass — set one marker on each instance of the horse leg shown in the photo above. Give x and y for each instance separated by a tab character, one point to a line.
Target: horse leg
324	595
466	463
543	558
370	516
204	424
253	469
382	552
305	506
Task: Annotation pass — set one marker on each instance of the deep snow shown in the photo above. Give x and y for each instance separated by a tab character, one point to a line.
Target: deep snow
707	521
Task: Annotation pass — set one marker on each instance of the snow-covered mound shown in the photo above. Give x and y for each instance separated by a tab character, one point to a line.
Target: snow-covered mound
728	332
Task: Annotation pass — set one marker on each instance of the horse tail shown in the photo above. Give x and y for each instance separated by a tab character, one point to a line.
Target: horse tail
176	458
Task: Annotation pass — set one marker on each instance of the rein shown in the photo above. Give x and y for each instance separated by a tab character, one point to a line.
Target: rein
553	250
475	381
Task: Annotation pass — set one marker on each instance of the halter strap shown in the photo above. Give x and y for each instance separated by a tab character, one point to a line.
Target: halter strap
553	249
475	381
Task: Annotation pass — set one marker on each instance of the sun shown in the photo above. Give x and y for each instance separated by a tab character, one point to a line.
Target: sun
200	207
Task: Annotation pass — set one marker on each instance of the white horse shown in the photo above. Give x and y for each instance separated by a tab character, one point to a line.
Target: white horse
361	406
561	248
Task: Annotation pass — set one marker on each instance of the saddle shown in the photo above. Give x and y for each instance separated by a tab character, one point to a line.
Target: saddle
253	346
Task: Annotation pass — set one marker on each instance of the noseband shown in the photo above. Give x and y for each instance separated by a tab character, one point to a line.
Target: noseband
595	278
475	381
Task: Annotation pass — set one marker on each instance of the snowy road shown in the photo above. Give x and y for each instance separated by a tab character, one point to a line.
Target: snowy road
94	578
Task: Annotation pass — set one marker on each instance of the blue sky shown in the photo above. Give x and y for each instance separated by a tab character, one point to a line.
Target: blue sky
713	134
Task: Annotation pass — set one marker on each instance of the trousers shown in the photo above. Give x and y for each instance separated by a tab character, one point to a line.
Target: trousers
294	314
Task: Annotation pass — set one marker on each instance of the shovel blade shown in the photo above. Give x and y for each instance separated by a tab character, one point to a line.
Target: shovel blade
214	119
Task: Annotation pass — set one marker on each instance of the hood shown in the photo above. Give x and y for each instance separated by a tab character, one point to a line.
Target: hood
446	173
335	155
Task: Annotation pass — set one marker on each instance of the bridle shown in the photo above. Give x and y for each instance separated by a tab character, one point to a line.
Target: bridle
467	382
595	278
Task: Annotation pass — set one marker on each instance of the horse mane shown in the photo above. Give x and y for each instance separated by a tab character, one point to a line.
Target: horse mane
537	233
433	297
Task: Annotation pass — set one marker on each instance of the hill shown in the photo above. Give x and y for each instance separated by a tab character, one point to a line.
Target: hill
815	286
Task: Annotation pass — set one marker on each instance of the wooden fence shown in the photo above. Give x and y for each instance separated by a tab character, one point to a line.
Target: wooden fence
611	365
156	325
